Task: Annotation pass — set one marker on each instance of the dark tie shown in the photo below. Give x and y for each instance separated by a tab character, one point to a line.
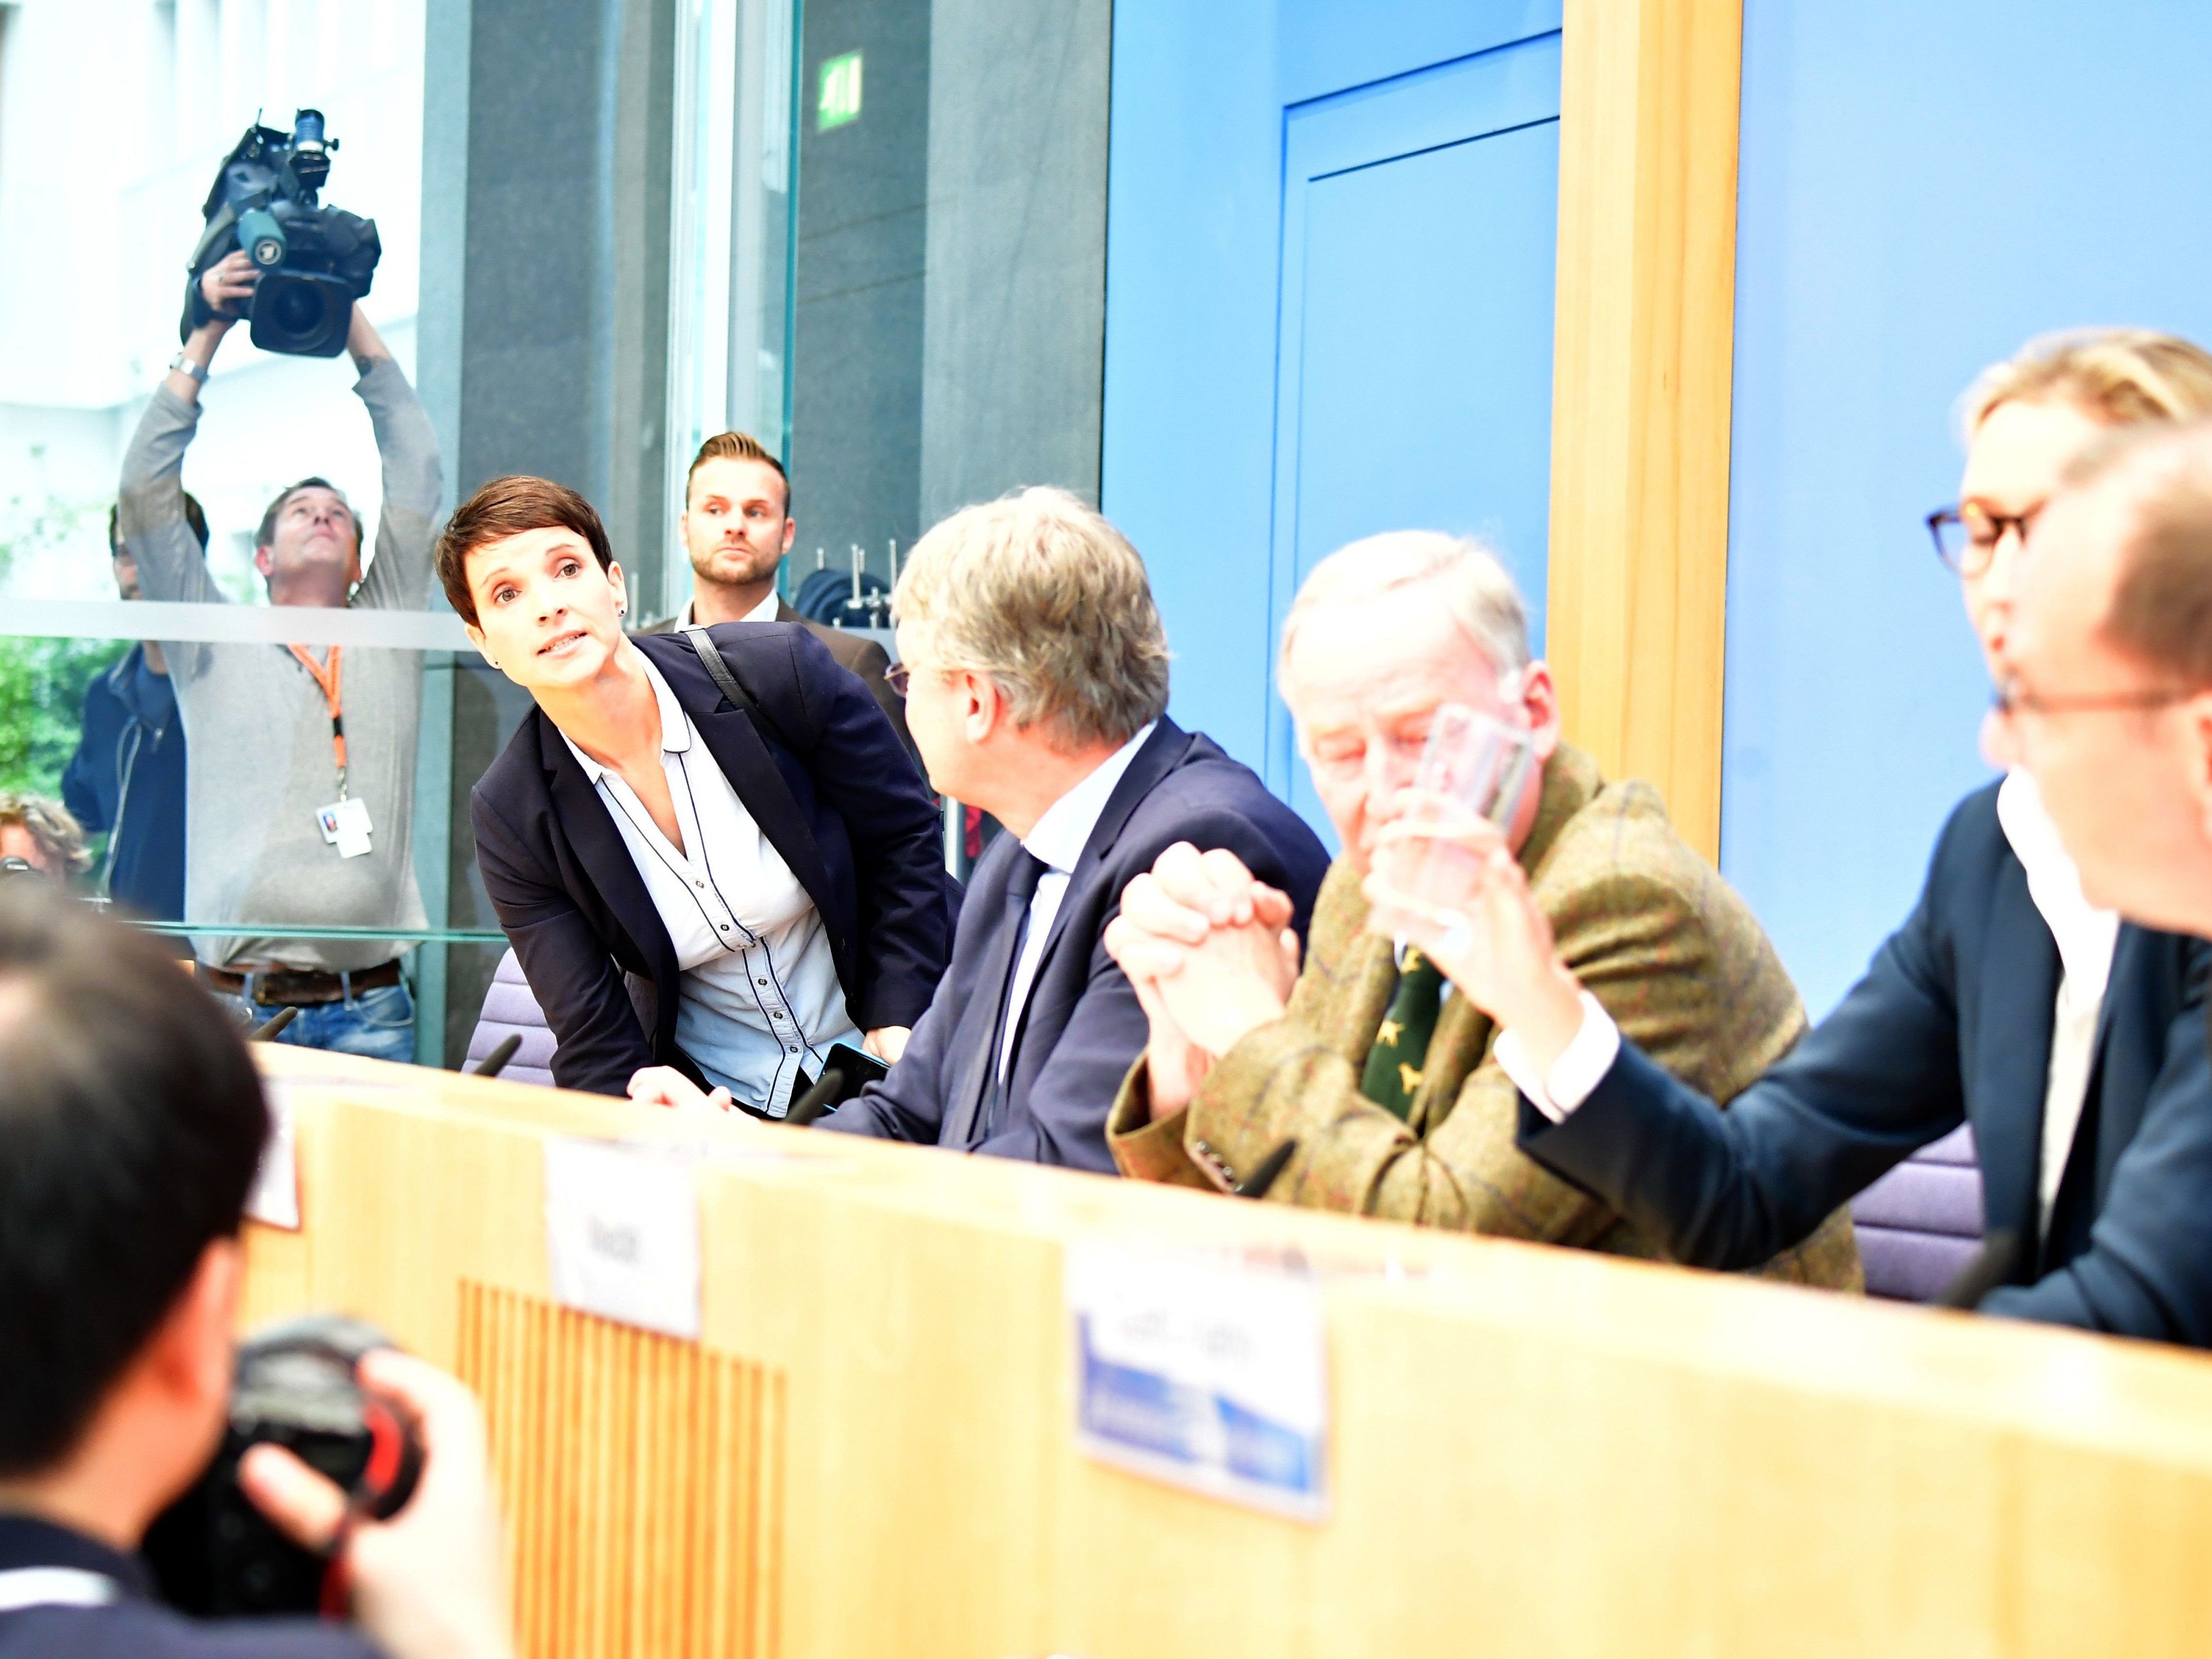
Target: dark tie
994	976
1401	1045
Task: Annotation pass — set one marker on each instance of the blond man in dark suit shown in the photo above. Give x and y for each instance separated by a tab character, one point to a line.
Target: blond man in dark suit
1386	1083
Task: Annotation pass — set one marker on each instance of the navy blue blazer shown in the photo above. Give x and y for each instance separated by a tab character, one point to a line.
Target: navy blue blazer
1952	1022
1081	1027
832	788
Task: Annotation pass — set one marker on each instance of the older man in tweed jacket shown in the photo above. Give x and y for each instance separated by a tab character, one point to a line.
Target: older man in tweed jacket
1388	1083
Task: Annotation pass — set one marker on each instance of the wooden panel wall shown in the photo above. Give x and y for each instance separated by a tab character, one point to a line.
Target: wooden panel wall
644	1476
1531	1451
1636	617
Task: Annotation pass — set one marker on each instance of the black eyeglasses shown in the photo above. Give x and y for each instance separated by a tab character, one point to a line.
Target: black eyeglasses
1967	536
2012	698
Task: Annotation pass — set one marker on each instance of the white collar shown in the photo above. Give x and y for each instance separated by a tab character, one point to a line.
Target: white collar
675	726
2085	934
1063	829
764	611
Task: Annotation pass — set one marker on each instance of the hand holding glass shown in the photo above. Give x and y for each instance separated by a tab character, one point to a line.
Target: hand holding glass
1472	760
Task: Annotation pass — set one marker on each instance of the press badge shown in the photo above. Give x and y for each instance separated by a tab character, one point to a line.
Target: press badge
346	826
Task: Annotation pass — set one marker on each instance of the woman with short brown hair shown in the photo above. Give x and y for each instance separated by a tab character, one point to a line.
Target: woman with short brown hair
708	849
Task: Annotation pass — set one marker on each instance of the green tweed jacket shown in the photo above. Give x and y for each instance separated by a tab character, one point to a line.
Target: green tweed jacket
1652	931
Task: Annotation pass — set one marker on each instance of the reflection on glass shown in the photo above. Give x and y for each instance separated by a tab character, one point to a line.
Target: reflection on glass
864	187
729	321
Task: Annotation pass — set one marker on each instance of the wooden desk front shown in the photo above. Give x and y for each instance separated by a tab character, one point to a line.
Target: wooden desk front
1532	1451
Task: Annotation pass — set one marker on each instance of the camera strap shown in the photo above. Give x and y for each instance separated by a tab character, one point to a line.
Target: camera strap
334	695
23	1587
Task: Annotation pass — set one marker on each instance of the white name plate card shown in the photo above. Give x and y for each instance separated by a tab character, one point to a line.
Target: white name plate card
622	1233
274	1198
1203	1371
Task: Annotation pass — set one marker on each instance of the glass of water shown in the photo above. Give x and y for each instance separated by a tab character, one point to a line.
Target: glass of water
1484	765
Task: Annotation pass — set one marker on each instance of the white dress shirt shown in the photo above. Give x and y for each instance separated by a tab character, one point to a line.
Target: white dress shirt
2085	937
1056	841
759	996
764	611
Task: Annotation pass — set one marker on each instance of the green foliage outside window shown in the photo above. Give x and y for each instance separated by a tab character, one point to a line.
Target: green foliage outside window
42	681
42	684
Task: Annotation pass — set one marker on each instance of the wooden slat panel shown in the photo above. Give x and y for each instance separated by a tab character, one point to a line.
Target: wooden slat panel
644	1478
1642	357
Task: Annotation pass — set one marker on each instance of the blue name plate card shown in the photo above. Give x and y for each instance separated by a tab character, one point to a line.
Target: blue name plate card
1205	1372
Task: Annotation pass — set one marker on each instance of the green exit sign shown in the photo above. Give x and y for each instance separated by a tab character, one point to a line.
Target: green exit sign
839	99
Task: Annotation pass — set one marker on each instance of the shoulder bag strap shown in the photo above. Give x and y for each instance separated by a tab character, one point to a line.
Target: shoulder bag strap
718	670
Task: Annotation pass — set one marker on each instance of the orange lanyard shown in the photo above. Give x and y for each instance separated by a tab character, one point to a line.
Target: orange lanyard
328	679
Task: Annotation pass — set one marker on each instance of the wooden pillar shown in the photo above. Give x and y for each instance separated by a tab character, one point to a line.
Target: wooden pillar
1636	617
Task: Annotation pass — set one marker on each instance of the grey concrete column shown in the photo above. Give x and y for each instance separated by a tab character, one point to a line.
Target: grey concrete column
1014	331
543	344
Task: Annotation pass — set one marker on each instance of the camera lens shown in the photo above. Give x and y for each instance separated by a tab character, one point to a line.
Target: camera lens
298	309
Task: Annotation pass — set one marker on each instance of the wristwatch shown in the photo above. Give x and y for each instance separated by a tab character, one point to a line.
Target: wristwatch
198	371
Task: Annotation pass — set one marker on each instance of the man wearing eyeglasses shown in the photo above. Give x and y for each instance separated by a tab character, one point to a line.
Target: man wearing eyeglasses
2107	695
2072	1041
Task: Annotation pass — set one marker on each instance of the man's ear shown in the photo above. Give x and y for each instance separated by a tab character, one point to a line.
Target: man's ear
189	1357
1540	701
985	709
264	560
790	531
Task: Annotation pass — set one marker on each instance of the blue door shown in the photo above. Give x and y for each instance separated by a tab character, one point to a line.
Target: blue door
1330	272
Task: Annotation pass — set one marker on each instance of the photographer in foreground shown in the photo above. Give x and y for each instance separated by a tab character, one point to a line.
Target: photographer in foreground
130	1124
302	786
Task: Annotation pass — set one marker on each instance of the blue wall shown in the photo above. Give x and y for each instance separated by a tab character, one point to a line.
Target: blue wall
1922	187
1194	237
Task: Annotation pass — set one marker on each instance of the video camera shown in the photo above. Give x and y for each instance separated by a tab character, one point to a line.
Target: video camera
315	261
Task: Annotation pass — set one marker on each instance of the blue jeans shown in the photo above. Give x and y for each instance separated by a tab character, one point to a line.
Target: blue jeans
379	1023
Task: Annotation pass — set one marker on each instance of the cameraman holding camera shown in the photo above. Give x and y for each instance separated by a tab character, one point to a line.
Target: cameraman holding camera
131	1123
303	778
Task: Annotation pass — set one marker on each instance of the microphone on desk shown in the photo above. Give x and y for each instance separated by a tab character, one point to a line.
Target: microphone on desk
1255	1185
1992	1266
276	1023
495	1063
819	1101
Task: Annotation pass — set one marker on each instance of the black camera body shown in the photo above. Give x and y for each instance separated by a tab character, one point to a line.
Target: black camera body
212	1553
315	261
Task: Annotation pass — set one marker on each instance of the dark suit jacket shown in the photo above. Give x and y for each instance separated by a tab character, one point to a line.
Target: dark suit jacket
853	651
1081	1026
1952	1022
137	1624
829	788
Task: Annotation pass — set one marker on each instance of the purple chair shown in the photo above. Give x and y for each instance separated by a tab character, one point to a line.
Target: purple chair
509	1009
1921	1223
